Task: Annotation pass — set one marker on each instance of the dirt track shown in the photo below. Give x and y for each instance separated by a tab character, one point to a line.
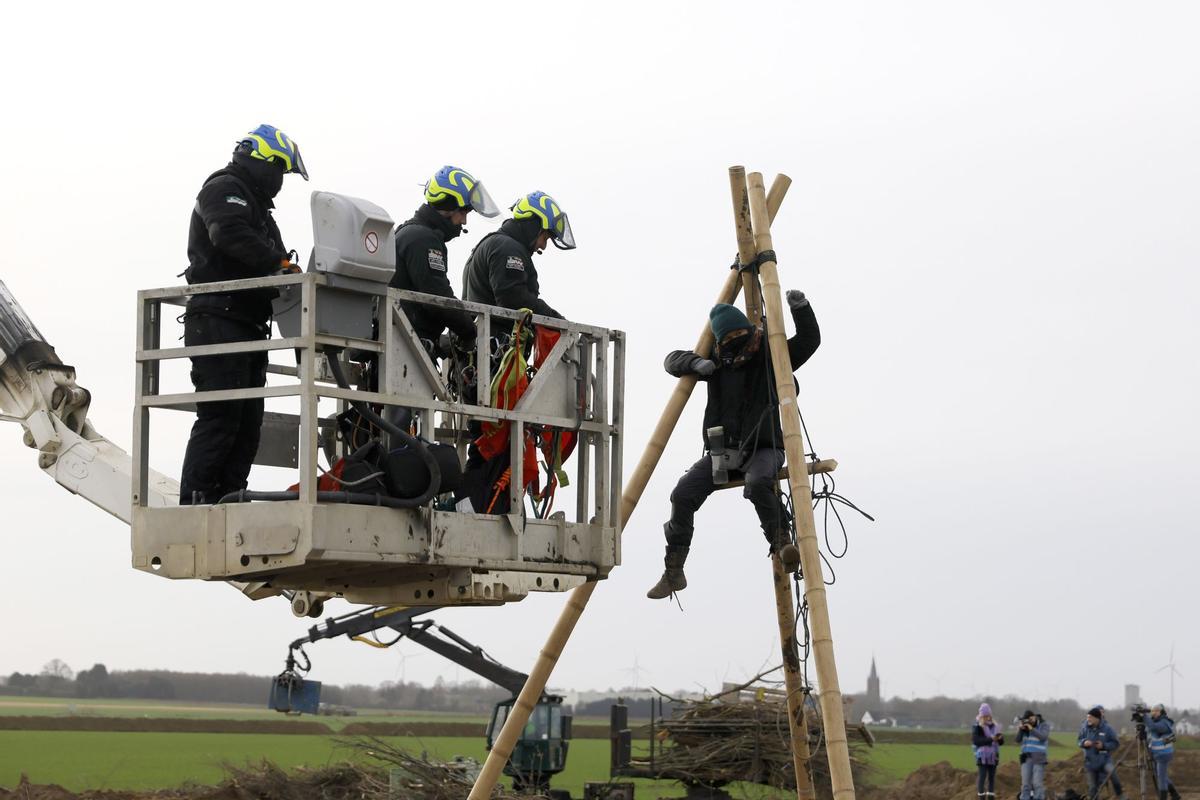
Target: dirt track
164	725
277	726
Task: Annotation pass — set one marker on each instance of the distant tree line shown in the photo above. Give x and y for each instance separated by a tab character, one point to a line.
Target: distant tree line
56	679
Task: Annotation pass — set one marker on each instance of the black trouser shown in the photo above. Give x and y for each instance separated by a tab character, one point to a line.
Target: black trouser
225	436
985	780
761	472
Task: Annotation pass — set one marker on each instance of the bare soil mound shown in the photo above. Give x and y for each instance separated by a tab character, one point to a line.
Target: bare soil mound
943	782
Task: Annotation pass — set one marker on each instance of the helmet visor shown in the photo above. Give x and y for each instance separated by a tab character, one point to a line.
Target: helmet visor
481	202
298	162
561	233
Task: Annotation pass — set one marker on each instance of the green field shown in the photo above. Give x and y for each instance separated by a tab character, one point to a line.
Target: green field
78	761
81	760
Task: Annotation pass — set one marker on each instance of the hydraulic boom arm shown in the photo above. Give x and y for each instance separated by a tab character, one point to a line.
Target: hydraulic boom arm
38	391
426	633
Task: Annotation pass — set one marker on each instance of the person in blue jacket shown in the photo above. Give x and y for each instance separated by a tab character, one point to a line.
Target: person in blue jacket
1160	739
1099	741
1034	737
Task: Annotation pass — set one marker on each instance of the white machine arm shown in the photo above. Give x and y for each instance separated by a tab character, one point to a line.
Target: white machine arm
38	391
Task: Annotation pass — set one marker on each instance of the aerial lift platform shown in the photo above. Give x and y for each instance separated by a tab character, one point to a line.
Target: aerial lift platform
310	545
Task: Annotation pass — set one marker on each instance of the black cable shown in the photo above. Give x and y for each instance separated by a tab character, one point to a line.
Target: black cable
352	498
435	472
359	498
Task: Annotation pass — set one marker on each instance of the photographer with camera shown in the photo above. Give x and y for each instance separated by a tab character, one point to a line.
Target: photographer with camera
1159	734
986	739
1034	737
1098	741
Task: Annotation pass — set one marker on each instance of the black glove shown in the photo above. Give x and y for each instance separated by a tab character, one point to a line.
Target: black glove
796	299
685	362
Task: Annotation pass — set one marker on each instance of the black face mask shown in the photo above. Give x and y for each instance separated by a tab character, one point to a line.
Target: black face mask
737	352
267	175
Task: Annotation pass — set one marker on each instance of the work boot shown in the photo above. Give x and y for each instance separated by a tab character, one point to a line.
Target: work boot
673	579
781	544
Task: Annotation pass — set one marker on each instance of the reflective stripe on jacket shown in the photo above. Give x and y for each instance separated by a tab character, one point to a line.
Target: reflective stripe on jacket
1161	737
1036	740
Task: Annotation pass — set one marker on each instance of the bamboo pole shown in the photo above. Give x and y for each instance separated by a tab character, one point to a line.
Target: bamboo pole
785	612
751	294
830	694
535	684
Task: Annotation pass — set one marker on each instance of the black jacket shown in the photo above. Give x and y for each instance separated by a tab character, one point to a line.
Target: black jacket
742	398
232	236
421	264
500	271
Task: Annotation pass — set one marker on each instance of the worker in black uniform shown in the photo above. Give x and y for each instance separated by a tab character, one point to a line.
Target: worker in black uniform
742	402
500	271
421	256
232	236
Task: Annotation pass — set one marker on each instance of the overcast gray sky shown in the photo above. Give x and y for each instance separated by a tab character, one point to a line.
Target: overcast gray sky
994	214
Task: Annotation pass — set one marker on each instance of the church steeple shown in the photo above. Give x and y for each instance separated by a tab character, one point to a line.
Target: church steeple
873	698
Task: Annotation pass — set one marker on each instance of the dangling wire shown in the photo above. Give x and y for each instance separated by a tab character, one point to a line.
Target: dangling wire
828	495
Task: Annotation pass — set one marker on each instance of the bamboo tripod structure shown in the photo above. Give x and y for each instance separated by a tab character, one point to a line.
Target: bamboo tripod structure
577	602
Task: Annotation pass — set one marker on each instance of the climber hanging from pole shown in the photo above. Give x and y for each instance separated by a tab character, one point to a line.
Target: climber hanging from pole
742	434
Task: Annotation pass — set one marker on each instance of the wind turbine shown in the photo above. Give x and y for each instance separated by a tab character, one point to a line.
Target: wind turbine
635	671
1173	672
404	657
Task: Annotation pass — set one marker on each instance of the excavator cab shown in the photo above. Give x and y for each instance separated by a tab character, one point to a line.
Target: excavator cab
541	752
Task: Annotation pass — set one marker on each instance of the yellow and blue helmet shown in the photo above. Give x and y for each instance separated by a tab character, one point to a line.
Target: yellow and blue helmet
268	143
545	208
453	187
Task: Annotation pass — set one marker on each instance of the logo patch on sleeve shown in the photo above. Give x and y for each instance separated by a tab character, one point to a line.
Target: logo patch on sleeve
515	262
437	261
233	198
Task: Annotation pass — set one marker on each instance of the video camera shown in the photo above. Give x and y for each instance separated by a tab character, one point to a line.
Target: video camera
1138	713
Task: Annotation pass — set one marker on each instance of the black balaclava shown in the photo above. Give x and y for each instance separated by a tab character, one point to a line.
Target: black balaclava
432	213
525	231
266	175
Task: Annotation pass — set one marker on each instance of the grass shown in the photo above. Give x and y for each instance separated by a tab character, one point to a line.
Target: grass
88	760
85	760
